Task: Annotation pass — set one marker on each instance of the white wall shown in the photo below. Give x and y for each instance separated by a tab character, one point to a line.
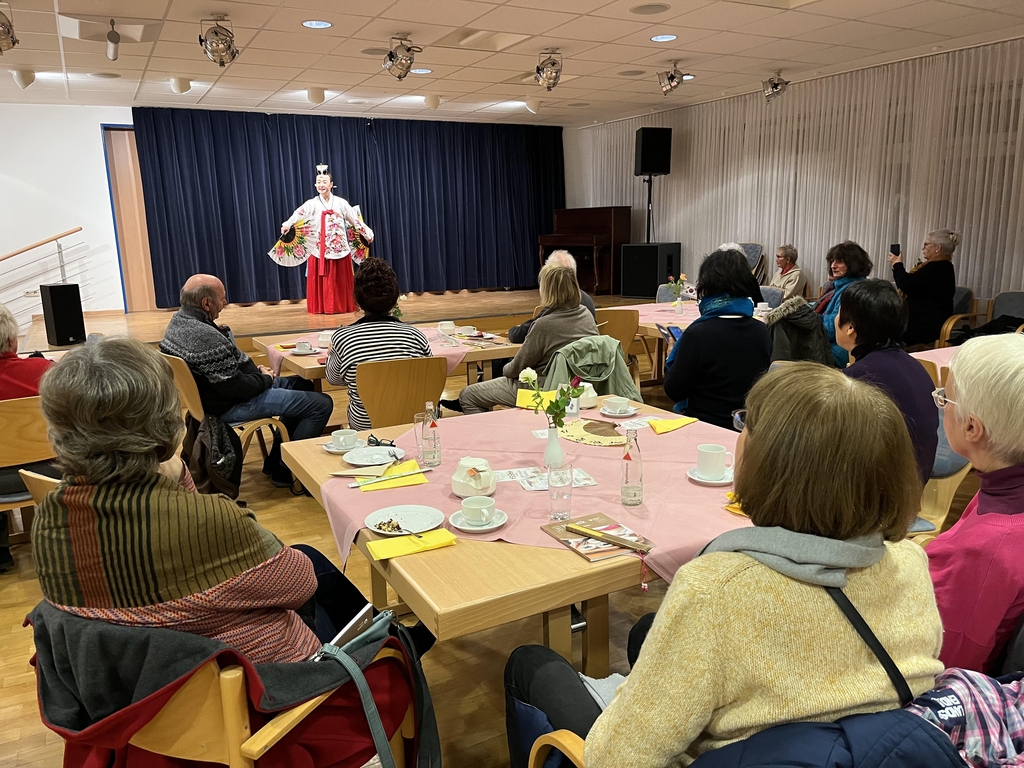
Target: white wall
53	178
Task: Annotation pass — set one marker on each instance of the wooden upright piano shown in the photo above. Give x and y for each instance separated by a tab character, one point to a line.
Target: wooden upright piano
602	231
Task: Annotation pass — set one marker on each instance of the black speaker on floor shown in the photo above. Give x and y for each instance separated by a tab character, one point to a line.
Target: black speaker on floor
653	152
645	266
62	311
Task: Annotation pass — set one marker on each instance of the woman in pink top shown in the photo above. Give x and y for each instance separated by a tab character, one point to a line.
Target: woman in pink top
976	566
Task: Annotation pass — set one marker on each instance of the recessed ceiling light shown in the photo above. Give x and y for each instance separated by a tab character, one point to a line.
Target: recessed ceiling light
663	38
104	75
317	24
375	51
688	76
421	71
357	101
649	9
631	72
579	104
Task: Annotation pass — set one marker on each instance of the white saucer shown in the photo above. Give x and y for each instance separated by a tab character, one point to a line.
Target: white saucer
631	411
692	474
329	447
313	351
371	457
458	520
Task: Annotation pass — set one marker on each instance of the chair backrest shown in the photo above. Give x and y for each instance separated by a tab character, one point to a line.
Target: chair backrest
933	370
755	258
24	432
963	300
620	324
665	295
186	384
394	391
772	295
37	485
1008	303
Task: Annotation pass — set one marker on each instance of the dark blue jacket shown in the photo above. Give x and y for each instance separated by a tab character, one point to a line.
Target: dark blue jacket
893	739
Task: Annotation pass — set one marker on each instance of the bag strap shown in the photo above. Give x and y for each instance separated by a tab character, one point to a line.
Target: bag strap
380	738
428	742
898	681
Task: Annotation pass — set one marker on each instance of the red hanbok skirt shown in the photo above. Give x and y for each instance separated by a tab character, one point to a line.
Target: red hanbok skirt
329	286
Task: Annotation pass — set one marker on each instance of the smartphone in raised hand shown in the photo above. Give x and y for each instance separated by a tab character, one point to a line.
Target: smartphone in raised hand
895	249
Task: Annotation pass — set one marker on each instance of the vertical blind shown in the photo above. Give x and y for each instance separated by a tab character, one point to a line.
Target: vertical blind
879	156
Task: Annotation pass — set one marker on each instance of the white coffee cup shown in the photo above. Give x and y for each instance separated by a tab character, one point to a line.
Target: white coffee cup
712	461
478	510
344	438
762	306
303	346
617	404
467	330
446	326
324	340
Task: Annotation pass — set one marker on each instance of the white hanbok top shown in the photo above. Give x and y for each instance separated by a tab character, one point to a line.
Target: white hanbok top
329	222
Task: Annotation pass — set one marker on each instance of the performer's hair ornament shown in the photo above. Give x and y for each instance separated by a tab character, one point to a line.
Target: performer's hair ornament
321	169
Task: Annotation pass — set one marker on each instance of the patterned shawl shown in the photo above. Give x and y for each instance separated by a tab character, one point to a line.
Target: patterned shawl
130	545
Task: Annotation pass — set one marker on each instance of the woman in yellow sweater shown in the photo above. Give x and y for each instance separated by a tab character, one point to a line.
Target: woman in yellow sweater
748	637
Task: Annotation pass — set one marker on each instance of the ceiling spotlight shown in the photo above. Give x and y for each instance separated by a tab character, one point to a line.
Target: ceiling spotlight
400	58
317	24
113	42
7	37
549	70
315	95
533	105
24	77
670	80
773	87
181	85
432	100
663	38
219	43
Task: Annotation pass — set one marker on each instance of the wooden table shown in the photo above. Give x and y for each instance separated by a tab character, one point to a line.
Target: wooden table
477	585
308	368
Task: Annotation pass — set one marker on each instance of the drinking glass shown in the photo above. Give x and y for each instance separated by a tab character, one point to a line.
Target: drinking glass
560	490
417	429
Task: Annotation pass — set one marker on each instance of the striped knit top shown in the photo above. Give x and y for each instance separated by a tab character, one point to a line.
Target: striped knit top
153	554
367	340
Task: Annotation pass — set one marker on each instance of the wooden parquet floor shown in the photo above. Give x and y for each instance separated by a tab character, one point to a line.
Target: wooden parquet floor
465	674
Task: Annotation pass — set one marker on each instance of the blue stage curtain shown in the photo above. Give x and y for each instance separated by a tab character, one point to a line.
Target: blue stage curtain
452	205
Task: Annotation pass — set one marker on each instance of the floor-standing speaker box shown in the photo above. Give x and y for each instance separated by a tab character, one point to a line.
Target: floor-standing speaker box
645	266
62	312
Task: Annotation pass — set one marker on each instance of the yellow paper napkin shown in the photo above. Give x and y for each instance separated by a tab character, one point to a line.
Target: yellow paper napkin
396	546
401	482
661	426
733	506
524	398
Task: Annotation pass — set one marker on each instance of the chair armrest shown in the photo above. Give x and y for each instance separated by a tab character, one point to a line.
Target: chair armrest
566	742
950	324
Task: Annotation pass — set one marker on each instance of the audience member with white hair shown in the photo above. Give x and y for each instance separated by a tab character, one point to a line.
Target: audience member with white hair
929	287
976	565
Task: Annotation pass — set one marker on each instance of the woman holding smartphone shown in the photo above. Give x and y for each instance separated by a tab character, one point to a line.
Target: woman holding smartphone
928	287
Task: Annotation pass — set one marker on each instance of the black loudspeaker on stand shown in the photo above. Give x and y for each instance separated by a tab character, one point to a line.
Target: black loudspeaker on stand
653	158
62	312
645	266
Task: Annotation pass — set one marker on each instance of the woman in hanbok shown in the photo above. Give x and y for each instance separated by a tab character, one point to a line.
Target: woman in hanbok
331	222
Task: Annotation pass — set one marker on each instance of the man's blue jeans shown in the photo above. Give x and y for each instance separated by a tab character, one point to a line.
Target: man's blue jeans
303	412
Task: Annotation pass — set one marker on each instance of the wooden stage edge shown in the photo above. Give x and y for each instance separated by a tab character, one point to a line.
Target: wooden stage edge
493	310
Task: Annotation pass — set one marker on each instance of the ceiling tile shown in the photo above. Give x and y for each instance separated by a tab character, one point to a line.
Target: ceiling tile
37	60
365	64
918	15
137	9
277	58
795	50
972	25
378	33
724	16
847	33
622	54
241	14
241	69
853	9
198	67
535	45
522	20
304	43
787	24
457	13
620	9
98	62
900	40
837	54
32	41
728	42
596	29
34	21
684	36
342	24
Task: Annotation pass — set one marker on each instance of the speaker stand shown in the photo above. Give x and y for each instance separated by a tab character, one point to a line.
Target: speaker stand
649	181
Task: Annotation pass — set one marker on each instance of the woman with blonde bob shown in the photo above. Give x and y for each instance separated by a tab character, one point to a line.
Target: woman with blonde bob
748	636
563	321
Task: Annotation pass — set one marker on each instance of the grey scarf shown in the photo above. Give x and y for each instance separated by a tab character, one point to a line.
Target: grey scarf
802	556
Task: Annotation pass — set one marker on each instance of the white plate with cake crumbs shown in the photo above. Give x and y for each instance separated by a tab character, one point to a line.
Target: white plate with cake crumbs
404	519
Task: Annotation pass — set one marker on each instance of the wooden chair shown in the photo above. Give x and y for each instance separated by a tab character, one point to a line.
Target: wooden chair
189	393
24	442
207	720
1020	330
566	742
394	391
38	485
1005	303
622	325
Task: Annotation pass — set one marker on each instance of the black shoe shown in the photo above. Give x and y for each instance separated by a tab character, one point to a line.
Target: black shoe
452	405
282	478
6	560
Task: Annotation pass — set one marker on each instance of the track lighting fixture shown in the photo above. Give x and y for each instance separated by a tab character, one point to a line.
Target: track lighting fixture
219	43
7	37
24	78
181	85
113	42
400	58
774	87
549	70
671	80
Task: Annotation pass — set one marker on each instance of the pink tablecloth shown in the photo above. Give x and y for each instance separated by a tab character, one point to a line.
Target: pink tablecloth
275	356
941	357
665	314
679	516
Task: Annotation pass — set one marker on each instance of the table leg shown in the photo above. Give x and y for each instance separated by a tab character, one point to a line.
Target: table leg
378	589
595	637
558	631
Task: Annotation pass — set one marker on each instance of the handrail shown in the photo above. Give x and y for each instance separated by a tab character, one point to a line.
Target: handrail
41	242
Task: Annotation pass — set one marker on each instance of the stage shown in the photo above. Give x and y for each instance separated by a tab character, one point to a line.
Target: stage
494	311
